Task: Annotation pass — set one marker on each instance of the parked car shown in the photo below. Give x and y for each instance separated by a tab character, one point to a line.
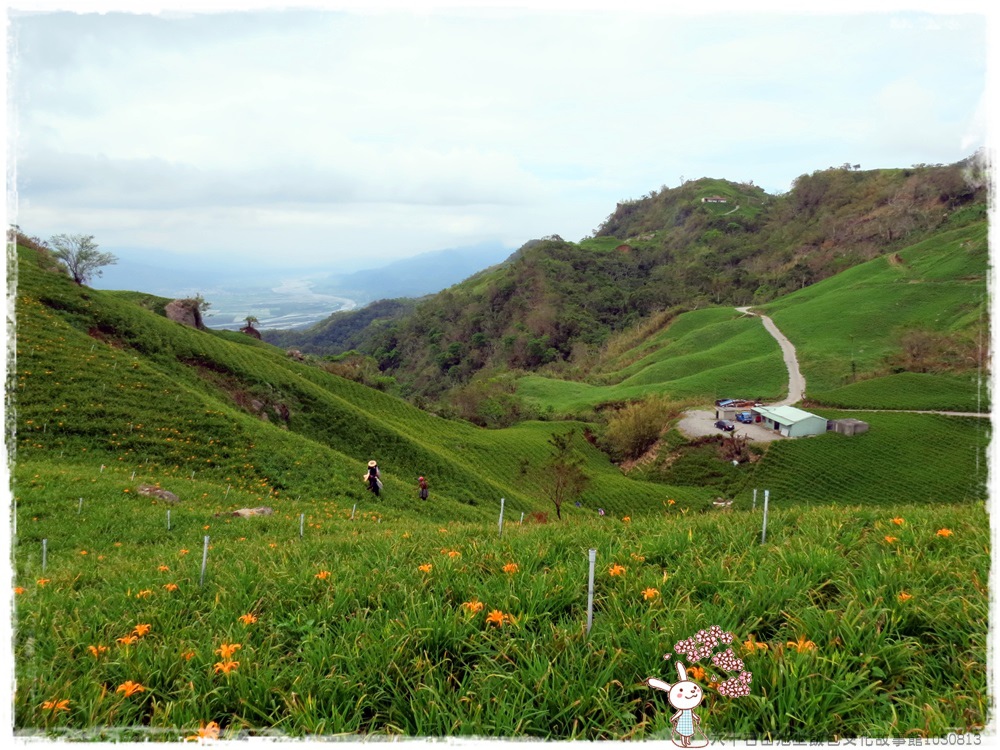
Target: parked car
725	424
745	417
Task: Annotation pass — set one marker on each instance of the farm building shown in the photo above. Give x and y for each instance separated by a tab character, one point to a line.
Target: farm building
847	426
789	421
714	199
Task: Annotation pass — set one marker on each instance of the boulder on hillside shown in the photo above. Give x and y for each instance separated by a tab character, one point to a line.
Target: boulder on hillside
249	330
185	312
150	490
247	512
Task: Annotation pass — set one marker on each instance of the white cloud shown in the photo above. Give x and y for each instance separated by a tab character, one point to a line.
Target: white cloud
229	132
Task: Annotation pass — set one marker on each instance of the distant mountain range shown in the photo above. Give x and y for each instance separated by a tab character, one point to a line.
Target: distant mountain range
302	296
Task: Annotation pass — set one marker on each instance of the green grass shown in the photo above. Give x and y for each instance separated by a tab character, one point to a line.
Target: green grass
912	390
380	647
99	378
903	458
940	286
704	355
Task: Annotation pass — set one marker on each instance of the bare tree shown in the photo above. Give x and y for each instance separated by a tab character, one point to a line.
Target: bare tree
80	255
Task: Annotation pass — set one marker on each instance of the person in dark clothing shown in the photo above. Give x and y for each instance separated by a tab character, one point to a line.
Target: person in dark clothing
373	479
423	488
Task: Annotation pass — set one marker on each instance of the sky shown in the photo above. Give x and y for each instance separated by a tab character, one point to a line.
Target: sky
345	136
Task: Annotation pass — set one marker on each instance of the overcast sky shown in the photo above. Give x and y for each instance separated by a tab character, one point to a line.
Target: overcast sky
335	137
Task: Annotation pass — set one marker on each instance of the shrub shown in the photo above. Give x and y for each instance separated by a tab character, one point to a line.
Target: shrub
633	429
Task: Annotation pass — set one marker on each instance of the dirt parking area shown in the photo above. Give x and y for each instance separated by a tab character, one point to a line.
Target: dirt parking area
698	423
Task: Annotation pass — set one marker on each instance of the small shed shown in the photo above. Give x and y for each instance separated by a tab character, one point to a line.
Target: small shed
847	426
790	421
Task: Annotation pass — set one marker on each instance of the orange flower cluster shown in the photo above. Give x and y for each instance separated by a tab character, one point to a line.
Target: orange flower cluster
511	568
323	575
56	705
248	619
616	570
473	606
425	568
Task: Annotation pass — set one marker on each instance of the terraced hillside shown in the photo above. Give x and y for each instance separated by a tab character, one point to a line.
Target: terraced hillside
101	380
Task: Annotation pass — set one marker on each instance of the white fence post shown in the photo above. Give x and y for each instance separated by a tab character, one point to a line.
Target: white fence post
592	554
204	562
501	517
763	531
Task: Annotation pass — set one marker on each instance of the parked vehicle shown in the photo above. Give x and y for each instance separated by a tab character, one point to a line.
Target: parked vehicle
725	424
745	417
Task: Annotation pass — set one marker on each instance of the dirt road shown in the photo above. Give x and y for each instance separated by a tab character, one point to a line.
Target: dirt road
796	383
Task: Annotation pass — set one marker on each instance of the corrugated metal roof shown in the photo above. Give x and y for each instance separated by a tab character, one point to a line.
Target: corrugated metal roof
785	414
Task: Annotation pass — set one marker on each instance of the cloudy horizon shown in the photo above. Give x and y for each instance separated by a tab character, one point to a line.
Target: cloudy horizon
298	138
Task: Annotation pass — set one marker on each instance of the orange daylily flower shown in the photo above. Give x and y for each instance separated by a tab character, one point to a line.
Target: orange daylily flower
187	655
903	596
226	666
226	650
208	731
802	644
170	586
627	519
650	593
97	650
163	568
616	570
19	589
498	618
142	629
130	688
248	619
144	594
898	521
697	672
425	568
751	644
323	575
511	568
43	581
56	705
891	539
473	606
128	640
945	532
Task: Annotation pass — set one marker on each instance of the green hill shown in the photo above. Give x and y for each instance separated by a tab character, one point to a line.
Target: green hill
864	614
101	379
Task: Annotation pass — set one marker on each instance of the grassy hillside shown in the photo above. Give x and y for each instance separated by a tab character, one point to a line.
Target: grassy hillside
922	310
102	380
557	302
864	614
701	356
854	621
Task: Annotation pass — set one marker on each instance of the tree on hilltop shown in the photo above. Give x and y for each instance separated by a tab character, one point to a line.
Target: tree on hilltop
80	255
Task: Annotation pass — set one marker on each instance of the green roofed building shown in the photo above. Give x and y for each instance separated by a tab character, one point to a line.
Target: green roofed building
789	421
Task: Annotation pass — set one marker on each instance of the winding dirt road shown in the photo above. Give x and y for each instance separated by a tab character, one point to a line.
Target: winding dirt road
796	383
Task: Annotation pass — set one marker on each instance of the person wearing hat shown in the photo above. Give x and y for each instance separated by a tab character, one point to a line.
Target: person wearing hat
372	477
423	487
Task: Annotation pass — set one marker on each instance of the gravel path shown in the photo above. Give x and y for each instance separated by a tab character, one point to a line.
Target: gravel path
796	383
